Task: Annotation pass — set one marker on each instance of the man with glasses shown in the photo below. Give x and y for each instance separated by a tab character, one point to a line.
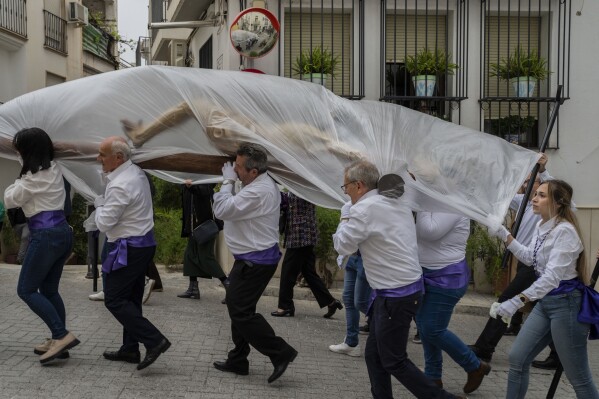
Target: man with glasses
383	229
251	228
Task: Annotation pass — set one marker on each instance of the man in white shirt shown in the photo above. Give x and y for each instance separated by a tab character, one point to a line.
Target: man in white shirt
251	227
125	214
383	230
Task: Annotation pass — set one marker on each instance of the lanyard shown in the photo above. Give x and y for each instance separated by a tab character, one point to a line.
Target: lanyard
538	245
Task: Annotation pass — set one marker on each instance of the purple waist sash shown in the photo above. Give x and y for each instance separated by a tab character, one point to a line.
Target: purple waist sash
117	257
453	276
399	292
268	256
589	305
46	220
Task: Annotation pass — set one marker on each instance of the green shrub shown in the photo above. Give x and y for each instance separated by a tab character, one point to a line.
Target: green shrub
167	230
489	249
326	221
166	195
78	215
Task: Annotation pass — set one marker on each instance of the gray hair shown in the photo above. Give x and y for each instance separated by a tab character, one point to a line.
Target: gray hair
256	156
363	171
121	147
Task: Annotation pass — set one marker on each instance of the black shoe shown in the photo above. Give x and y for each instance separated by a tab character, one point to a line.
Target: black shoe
548	364
484	356
152	354
224	366
512	330
280	369
283	313
120	356
365	329
224	301
193	294
332	309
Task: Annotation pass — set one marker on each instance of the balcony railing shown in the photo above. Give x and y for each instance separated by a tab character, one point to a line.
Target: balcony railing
55	30
13	16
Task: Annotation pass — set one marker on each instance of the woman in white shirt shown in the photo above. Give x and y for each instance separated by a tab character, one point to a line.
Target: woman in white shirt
557	255
40	192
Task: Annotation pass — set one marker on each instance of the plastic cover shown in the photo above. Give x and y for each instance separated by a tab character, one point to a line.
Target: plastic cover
310	134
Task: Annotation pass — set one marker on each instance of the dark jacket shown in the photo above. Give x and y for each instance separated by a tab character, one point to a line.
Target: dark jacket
196	203
300	230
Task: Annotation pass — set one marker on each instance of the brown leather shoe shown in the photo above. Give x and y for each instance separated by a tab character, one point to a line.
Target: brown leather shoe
475	378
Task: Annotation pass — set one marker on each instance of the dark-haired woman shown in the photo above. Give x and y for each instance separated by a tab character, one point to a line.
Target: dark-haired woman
557	255
40	192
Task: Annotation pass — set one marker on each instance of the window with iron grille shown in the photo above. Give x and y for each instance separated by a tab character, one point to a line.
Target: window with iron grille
424	54
55	32
328	35
525	57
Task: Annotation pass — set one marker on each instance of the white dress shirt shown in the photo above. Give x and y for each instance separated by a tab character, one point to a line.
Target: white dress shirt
127	210
37	192
383	230
441	239
251	216
556	256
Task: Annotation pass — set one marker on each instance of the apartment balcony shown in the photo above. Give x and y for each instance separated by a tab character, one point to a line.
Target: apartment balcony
55	31
13	24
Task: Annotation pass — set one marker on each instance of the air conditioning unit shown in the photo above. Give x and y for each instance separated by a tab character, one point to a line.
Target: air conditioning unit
178	51
78	14
145	45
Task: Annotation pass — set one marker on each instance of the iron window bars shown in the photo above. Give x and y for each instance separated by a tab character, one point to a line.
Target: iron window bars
13	16
522	32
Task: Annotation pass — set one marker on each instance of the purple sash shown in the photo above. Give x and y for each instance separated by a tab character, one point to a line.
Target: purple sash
270	256
589	305
399	292
117	258
46	220
452	276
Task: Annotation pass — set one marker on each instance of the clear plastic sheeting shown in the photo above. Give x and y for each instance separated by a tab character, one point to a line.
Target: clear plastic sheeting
310	134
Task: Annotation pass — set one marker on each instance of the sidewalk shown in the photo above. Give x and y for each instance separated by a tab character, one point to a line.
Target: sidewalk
200	332
472	303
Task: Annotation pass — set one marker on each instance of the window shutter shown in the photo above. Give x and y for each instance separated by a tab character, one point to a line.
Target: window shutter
408	34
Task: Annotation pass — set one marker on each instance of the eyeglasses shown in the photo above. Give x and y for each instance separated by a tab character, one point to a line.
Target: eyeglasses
343	187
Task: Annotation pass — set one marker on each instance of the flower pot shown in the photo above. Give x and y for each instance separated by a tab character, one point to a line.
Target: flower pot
318	78
424	85
524	86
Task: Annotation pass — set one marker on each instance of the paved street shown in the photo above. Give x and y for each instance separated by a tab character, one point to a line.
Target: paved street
200	334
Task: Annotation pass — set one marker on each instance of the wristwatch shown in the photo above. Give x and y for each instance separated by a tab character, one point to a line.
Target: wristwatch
523	298
228	181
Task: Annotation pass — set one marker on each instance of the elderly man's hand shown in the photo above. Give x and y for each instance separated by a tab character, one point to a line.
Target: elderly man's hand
345	210
229	171
542	162
99	201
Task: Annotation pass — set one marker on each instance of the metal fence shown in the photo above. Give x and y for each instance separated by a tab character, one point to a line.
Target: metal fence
55	31
13	16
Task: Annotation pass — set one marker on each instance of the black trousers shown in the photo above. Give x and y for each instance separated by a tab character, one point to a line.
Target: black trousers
247	283
153	274
386	353
123	294
494	329
302	260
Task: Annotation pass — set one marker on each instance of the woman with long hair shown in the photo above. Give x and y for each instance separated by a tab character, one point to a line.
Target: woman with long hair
40	192
557	255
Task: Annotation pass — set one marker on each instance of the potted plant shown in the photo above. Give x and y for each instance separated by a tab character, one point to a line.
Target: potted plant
424	68
523	69
484	254
513	128
316	65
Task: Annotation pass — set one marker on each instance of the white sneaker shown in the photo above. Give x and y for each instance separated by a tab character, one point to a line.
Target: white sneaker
148	290
99	296
346	349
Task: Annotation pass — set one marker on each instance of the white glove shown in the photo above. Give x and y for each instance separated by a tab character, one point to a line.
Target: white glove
99	201
342	261
502	233
345	210
89	224
493	313
229	171
509	307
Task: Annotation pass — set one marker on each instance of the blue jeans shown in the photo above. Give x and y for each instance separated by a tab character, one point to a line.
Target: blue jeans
40	275
554	317
356	297
432	320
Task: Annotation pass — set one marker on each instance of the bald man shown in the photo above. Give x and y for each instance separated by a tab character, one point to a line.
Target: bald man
125	214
